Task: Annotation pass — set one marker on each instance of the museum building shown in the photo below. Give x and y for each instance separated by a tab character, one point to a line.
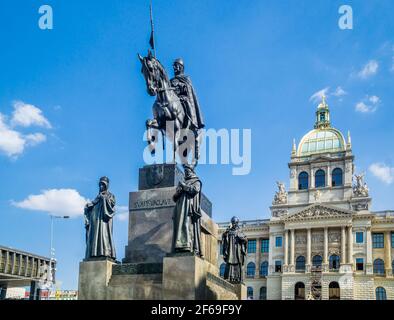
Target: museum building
322	241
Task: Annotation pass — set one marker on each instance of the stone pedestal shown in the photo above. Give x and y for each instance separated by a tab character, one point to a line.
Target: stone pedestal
94	276
184	278
241	291
151	210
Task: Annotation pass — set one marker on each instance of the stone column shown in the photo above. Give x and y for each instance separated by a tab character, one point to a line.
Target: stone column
387	253
292	247
271	262
258	255
309	248
325	258
350	245
368	265
343	245
286	247
329	177
312	178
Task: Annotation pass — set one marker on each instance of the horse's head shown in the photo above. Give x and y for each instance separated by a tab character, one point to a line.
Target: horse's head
152	71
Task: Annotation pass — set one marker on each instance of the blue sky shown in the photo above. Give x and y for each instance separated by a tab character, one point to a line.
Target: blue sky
254	65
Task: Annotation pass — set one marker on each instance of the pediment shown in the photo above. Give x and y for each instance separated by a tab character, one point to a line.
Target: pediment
319	211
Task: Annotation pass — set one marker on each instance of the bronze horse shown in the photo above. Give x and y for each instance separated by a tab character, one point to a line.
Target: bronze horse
167	106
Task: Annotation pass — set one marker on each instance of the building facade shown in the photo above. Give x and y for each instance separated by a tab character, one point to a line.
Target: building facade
322	240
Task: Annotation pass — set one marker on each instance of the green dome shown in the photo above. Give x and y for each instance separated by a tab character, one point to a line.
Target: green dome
324	140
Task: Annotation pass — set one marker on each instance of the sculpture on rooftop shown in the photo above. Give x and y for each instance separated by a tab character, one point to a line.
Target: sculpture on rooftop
360	189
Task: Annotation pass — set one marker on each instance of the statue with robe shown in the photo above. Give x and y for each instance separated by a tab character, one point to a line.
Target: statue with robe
99	225
187	213
234	244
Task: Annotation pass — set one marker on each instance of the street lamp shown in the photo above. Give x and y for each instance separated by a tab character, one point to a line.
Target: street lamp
52	254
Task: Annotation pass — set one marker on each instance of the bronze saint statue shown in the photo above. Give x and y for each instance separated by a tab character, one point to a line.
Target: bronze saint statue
187	213
98	223
185	92
234	244
176	103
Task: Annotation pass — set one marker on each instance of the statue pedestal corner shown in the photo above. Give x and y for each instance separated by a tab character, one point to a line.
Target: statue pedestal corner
94	276
184	277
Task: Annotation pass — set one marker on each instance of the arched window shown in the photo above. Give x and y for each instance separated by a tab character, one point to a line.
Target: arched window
317	261
250	293
378	266
263	293
392	265
299	291
303	181
320	179
381	293
334	262
250	270
264	269
337	177
222	269
334	292
300	263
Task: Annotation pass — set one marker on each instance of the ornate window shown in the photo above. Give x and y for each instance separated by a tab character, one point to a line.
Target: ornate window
300	264
392	239
359	264
320	179
378	240
334	292
378	267
359	237
265	245
278	242
303	181
392	265
278	266
299	291
250	270
337	177
263	293
381	293
334	262
264	269
317	261
222	269
250	293
252	246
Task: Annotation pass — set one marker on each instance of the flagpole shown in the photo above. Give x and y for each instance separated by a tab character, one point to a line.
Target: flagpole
152	40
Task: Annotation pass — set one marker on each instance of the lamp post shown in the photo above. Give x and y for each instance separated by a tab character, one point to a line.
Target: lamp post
52	254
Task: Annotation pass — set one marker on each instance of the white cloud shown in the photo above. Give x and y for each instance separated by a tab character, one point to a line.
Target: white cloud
122	213
27	115
339	92
317	96
362	107
55	201
12	142
382	172
369	69
34	139
374	99
369	104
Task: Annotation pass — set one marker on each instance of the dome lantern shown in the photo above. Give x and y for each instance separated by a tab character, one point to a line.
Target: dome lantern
322	115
